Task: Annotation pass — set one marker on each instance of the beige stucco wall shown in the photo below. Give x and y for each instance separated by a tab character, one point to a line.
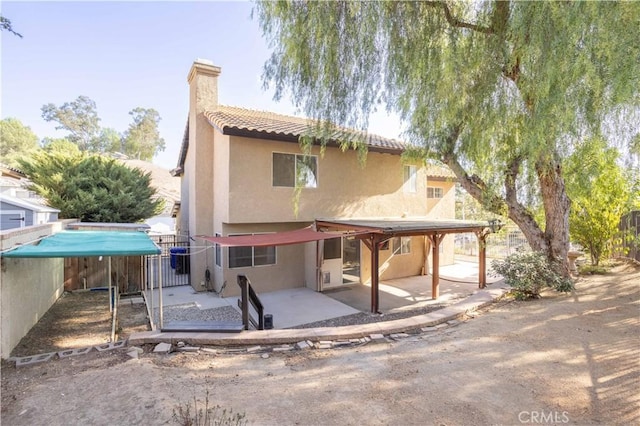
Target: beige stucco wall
244	195
198	167
290	270
445	207
394	265
220	209
227	188
346	189
28	287
182	218
407	265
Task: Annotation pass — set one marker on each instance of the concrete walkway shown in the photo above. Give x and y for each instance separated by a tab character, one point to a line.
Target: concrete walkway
301	306
262	337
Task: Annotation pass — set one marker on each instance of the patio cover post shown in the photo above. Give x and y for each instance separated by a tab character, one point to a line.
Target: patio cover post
110	290
482	259
435	268
151	278
373	244
160	290
319	260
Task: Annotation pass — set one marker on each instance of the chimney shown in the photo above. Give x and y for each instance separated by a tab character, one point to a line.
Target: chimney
198	181
203	84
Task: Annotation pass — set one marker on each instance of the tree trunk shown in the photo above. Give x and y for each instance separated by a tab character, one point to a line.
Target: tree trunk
556	211
554	240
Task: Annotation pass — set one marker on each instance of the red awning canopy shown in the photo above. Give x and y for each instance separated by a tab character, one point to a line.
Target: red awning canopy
297	236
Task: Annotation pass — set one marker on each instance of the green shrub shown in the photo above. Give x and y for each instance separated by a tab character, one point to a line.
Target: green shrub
593	270
529	272
206	416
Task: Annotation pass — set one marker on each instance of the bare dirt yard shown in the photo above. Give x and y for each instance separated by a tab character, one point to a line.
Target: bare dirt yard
81	319
563	359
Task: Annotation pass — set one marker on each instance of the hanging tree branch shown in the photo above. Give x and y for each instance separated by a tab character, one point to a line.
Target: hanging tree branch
455	22
5	24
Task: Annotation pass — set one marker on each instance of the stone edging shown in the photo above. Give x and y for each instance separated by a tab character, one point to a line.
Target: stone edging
36	359
265	341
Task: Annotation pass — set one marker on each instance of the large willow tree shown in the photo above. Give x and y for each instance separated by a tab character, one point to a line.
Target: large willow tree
499	91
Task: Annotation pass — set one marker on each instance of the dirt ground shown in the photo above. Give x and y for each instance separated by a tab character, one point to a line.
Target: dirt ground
81	319
563	359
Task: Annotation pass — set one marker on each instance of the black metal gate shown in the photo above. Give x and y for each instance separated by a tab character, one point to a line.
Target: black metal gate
174	265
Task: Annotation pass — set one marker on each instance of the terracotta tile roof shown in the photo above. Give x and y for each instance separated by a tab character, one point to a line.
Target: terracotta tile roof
244	122
440	172
6	170
269	125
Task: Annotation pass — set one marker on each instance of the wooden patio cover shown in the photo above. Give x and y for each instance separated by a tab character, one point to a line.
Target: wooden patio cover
375	232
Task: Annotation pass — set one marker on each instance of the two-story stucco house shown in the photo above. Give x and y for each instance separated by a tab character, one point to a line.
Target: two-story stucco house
240	170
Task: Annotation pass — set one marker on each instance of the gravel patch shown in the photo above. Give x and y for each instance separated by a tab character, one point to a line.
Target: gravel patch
191	312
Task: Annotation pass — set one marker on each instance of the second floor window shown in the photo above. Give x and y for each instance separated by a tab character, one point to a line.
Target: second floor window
295	170
434	192
410	179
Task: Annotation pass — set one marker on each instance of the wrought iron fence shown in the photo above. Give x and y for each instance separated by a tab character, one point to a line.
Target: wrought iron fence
174	264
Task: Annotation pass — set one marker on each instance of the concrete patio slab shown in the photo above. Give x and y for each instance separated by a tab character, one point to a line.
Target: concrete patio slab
298	306
291	336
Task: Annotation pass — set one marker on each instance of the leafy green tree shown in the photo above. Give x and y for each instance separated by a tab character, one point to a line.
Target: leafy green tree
497	90
60	146
109	140
91	188
17	140
142	140
633	156
5	25
468	208
601	192
79	118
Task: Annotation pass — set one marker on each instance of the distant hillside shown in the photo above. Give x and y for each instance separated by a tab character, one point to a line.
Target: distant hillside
168	186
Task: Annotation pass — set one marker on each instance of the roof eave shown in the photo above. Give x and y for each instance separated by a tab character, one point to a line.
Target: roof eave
293	138
184	147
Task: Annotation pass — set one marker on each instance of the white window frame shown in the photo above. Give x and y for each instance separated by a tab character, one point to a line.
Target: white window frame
435	192
253	254
410	178
401	245
298	159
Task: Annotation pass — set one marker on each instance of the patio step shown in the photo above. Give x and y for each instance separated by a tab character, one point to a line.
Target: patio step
213	326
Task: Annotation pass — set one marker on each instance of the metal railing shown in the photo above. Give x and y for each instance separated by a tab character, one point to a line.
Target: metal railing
175	263
248	299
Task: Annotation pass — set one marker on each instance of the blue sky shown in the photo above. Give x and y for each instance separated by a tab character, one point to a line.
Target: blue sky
125	55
